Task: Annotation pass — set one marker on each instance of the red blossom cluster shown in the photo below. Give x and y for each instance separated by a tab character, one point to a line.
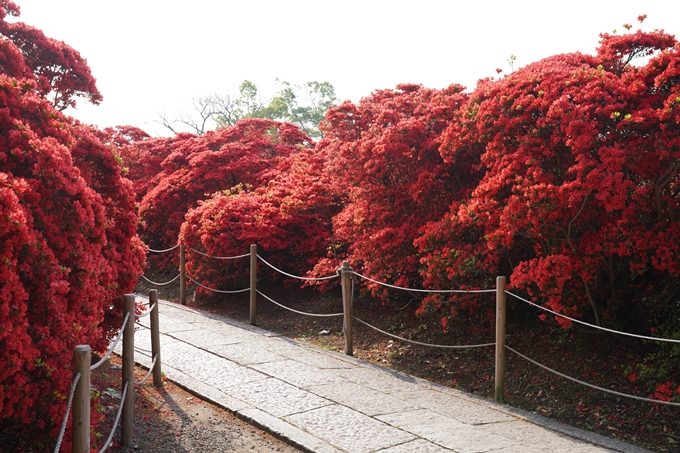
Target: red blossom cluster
578	199
68	240
191	168
562	176
383	157
289	218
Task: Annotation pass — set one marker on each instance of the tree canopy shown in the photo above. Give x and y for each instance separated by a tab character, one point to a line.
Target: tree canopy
302	105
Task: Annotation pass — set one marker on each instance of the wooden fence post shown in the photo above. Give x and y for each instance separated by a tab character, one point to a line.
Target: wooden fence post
500	339
155	338
346	281
128	370
182	275
80	421
253	284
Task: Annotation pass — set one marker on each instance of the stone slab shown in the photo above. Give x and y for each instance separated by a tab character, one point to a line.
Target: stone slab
245	354
363	399
283	345
170	324
298	374
416	446
317	358
378	378
204	339
277	397
284	430
527	434
204	391
447	432
217	323
348	429
462	410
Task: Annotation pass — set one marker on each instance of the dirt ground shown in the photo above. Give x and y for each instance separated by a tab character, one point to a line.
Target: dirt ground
609	361
171	420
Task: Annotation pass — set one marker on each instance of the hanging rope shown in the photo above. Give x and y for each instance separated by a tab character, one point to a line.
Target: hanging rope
115	343
669	340
160	284
423	344
220	257
68	410
299	312
163	251
146	313
115	425
219	290
613	392
296	276
153	363
437	291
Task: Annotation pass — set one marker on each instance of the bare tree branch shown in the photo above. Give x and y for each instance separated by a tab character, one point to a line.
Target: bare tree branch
207	111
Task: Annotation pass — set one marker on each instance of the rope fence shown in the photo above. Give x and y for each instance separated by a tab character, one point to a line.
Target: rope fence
80	388
68	411
313	279
146	313
220	257
161	284
602	389
79	396
431	291
406	340
151	368
348	278
237	291
115	343
617	332
318	315
165	250
115	424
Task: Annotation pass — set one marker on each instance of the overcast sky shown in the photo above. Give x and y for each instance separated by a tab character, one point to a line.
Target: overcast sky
152	56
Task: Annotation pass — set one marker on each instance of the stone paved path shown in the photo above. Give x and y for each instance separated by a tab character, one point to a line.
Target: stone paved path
322	401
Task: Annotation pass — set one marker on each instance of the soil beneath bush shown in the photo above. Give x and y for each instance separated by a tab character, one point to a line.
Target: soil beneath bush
615	362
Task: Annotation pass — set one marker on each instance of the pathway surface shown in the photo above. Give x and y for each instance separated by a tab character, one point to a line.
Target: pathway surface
322	401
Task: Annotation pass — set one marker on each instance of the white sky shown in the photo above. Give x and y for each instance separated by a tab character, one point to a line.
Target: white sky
151	56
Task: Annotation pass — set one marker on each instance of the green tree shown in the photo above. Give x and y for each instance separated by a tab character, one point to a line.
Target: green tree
303	105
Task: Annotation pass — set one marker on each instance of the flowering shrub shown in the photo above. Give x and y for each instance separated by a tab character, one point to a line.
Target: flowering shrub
289	219
68	240
577	200
383	157
198	166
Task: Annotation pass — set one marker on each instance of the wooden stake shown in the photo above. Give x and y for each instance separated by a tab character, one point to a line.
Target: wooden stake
80	421
346	276
182	276
155	338
500	339
128	370
253	284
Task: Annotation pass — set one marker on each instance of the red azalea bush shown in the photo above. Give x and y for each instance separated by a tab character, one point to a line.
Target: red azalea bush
578	196
289	219
67	230
124	251
143	157
383	156
199	166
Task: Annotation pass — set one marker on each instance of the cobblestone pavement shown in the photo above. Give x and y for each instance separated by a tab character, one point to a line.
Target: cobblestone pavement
322	401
